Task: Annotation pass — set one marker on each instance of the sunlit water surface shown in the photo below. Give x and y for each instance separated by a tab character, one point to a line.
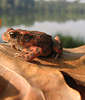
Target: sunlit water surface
73	28
64	18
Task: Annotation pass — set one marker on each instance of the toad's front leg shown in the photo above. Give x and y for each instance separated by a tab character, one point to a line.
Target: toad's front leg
30	53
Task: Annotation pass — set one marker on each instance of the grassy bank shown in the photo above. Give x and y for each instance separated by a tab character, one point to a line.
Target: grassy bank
70	42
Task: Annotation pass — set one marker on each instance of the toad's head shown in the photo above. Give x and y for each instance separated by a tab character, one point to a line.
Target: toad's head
10	34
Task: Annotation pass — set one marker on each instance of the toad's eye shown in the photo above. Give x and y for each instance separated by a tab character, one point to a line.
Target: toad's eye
13	35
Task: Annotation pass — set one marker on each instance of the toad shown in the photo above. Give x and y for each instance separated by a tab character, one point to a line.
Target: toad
32	44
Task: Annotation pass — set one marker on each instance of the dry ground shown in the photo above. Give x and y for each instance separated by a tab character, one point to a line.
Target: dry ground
43	78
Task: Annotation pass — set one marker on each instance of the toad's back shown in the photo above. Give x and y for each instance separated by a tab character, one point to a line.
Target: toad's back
39	39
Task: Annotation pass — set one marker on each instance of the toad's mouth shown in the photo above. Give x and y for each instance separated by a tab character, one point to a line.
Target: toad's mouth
5	42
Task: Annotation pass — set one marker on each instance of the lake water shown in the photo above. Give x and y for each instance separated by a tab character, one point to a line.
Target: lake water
67	19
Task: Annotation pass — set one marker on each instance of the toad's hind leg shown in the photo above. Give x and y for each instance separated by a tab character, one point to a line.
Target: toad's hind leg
30	53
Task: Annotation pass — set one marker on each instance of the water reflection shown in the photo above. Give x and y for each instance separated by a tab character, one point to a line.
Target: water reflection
75	29
52	18
70	27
